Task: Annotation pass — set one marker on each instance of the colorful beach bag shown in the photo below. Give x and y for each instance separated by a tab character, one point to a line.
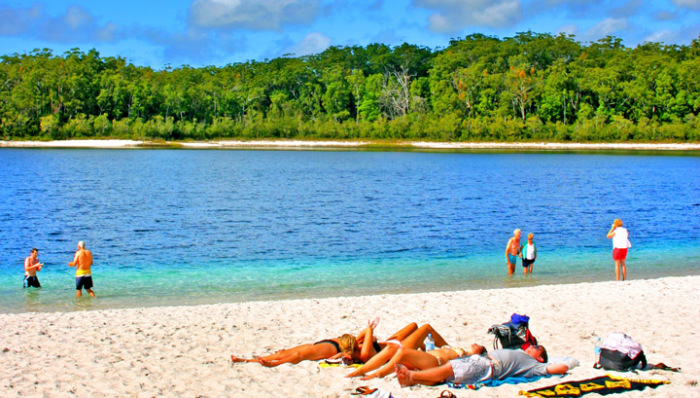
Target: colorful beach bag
620	352
513	334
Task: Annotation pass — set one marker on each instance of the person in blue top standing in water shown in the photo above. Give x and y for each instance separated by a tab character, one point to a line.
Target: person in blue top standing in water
528	253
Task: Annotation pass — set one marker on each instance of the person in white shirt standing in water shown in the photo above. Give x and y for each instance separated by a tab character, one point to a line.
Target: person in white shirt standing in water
621	242
528	252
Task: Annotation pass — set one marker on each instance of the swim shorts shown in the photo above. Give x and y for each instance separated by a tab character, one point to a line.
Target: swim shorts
527	263
83	282
513	259
470	370
619	254
31	281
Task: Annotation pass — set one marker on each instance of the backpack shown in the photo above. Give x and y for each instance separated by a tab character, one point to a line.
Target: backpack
513	334
620	352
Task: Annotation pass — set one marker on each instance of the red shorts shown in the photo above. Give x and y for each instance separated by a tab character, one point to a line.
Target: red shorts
619	254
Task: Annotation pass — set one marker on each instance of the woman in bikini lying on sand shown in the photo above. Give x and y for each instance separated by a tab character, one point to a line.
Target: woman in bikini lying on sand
416	359
373	354
410	337
347	346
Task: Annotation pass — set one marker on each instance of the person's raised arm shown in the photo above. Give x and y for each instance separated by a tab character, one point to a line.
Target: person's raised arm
612	232
366	338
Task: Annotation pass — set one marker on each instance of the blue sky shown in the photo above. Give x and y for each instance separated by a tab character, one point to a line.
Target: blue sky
159	33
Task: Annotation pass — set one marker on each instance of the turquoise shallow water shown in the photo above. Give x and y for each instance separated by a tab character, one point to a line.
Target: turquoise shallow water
174	227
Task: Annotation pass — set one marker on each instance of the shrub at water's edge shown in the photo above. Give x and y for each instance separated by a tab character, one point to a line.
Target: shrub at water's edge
480	88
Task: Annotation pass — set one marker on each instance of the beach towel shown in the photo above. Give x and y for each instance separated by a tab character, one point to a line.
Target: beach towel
603	385
495	383
325	365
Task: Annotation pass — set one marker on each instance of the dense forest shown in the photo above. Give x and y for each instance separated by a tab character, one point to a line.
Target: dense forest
528	87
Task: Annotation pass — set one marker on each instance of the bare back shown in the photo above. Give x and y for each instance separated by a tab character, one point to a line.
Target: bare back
82	261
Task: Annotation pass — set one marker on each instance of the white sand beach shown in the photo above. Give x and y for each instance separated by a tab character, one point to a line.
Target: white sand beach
184	351
72	144
301	144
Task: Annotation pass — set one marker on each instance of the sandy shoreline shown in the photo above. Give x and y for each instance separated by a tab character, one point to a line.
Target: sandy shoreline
300	144
183	351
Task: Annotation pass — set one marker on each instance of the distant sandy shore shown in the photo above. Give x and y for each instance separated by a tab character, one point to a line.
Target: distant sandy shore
300	144
184	351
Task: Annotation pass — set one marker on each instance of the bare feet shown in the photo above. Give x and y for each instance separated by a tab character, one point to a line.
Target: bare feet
404	375
265	363
236	359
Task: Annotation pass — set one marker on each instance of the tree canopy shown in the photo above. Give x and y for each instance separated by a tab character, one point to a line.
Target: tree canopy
531	86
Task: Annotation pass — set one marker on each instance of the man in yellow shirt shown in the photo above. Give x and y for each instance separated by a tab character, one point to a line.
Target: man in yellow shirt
83	277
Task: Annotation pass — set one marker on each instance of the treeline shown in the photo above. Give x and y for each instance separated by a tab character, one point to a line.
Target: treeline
480	88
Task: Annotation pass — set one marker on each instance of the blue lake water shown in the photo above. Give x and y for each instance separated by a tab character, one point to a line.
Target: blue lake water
180	227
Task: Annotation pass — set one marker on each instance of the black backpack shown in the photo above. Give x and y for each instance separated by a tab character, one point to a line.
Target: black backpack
513	334
616	351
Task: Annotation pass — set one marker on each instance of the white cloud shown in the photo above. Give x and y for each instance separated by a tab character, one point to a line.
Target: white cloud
253	14
313	43
606	27
694	4
109	32
76	17
662	36
17	21
452	16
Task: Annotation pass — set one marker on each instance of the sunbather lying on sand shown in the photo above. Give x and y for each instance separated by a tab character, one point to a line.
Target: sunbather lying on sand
346	345
416	359
498	365
411	336
324	349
